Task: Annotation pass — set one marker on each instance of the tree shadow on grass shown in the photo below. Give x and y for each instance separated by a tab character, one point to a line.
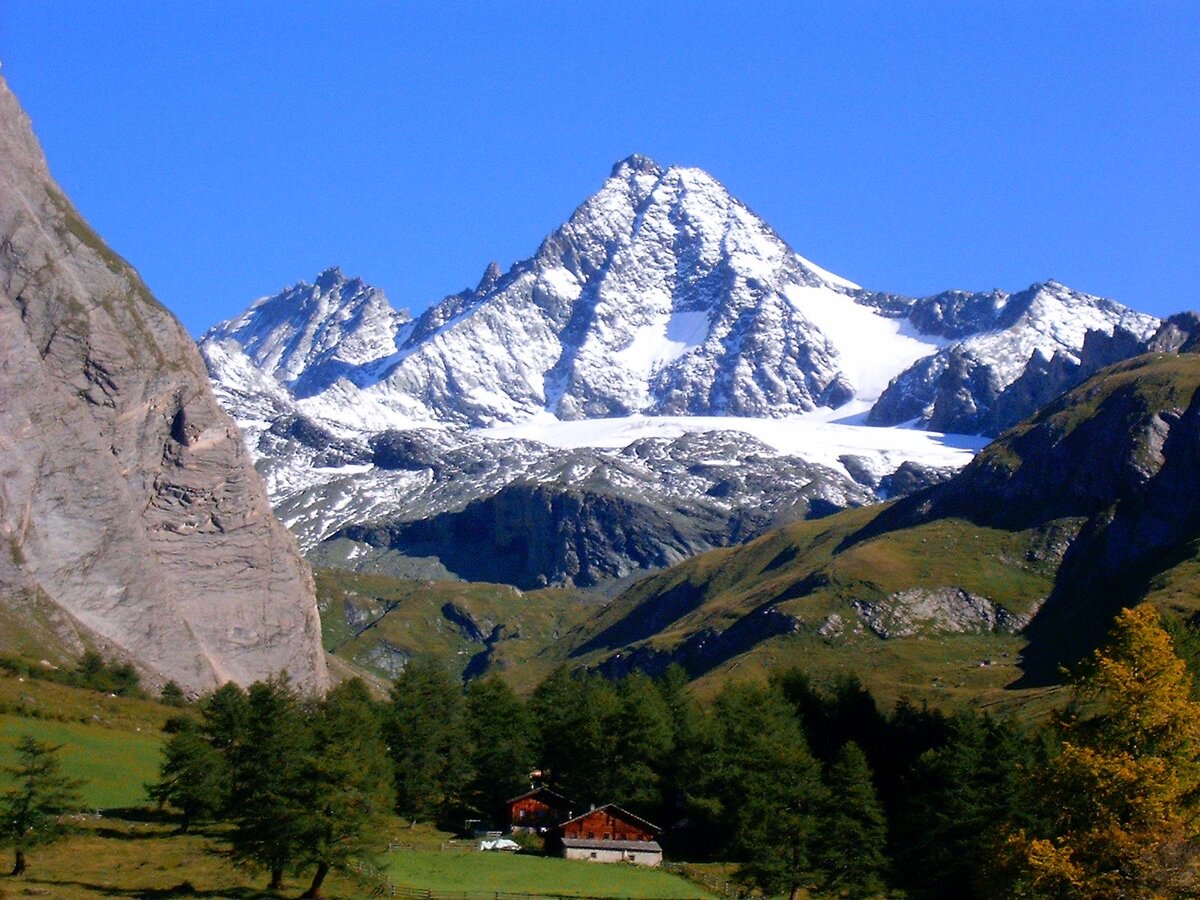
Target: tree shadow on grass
183	889
144	814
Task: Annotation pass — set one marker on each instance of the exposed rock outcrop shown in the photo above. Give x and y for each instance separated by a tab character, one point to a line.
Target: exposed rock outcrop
128	503
943	610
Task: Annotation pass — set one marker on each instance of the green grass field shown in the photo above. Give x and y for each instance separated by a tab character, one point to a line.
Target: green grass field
113	764
111	857
475	871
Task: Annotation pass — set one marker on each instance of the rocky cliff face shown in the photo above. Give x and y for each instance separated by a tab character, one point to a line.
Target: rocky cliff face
1113	469
581	516
131	517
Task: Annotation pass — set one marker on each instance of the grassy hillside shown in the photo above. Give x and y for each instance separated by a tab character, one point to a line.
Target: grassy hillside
376	624
799	584
1085	508
27	628
110	743
113	764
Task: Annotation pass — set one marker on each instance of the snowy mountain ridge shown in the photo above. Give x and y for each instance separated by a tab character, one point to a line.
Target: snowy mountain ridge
661	295
661	311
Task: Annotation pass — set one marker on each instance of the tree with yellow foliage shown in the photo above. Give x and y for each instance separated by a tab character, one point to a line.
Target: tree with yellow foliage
1121	796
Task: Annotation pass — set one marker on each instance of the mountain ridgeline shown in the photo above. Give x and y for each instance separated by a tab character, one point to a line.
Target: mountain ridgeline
391	445
131	519
662	295
664	386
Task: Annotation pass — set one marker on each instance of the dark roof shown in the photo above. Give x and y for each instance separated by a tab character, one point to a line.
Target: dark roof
562	801
617	812
589	844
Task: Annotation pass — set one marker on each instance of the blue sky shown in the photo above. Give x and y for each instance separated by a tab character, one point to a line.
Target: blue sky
229	149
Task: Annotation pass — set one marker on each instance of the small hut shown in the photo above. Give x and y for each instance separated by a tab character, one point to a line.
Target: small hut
537	810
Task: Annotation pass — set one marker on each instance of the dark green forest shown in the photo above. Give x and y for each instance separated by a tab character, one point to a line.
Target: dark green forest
806	786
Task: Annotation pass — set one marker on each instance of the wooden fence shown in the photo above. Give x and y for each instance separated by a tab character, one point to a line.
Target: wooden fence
419	894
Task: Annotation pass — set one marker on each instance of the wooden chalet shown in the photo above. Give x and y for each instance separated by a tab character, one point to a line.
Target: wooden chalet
538	810
610	834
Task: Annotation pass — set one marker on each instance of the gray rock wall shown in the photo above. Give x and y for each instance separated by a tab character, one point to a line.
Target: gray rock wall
128	503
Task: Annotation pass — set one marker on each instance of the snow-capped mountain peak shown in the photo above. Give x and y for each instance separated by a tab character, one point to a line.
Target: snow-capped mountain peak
662	294
308	336
621	375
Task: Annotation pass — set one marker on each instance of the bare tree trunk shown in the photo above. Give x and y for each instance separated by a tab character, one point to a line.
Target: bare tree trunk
795	895
314	889
276	878
19	865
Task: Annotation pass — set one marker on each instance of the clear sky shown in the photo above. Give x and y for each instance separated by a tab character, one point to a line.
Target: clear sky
229	149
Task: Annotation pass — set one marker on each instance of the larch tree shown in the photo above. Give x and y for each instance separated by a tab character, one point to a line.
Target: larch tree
957	801
345	784
267	805
224	724
766	788
643	740
853	842
1121	795
192	777
501	747
32	809
574	717
424	726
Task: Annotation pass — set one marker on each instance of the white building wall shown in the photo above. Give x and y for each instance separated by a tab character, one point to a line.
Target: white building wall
639	857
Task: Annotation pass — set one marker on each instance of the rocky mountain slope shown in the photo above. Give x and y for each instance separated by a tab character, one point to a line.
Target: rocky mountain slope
532	505
662	299
1029	550
1026	349
662	295
131	518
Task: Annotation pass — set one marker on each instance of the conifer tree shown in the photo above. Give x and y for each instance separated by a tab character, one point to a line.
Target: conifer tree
192	777
853	829
172	695
766	788
681	768
266	802
642	740
501	746
344	783
32	809
958	798
574	715
1121	795
225	717
424	728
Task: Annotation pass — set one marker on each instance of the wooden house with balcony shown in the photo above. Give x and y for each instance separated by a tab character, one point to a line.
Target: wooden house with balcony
610	834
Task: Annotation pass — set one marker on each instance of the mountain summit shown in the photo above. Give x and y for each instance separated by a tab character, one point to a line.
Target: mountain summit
661	300
661	295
